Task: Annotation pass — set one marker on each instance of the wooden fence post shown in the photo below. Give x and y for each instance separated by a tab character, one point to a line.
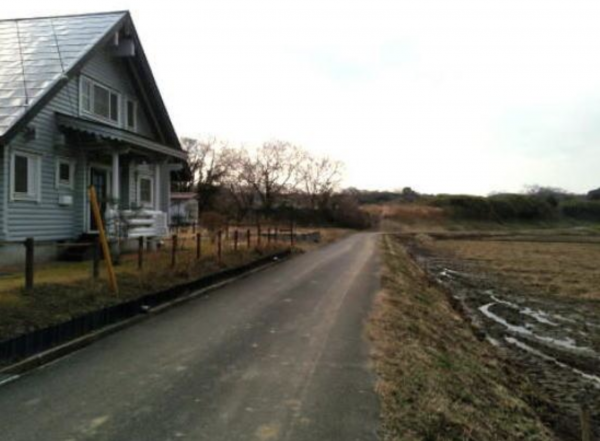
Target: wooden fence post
219	246
248	239
269	236
235	240
140	252
198	245
174	251
96	259
291	234
29	263
258	234
276	238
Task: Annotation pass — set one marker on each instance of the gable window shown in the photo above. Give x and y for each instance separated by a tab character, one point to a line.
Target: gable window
130	114
65	173
146	191
26	173
100	101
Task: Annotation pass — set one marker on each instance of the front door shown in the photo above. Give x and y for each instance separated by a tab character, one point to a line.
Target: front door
99	179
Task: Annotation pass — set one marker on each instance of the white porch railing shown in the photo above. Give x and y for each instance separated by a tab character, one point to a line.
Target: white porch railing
137	223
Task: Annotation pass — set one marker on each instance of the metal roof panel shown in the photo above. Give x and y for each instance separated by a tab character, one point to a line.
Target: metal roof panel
36	52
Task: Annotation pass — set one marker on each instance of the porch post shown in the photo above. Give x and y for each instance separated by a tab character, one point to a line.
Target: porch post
116	175
157	190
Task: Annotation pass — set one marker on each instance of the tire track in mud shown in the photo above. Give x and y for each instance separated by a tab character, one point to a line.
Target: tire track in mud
554	341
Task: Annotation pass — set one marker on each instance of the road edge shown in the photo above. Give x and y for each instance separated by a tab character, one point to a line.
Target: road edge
14	371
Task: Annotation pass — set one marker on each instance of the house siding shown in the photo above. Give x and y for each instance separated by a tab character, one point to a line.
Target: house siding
4	200
46	219
114	73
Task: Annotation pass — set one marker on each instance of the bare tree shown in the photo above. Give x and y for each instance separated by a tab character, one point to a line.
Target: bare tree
271	170
236	187
209	161
320	177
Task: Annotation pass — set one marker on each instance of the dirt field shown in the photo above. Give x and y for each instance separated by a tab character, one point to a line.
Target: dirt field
536	297
437	381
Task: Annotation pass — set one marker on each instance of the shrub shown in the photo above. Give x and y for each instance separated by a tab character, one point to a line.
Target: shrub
465	207
508	207
582	210
501	207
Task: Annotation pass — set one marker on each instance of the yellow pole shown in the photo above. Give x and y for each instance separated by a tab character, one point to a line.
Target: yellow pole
112	279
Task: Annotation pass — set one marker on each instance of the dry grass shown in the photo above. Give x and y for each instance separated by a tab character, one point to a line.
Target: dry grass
408	217
547	268
436	380
328	235
63	291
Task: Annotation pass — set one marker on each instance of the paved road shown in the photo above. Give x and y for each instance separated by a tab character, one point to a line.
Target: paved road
280	355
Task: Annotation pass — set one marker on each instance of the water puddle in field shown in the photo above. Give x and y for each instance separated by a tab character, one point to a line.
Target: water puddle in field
565	343
525	347
553	340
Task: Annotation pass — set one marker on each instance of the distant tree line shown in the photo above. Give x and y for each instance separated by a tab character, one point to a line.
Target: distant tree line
276	180
535	203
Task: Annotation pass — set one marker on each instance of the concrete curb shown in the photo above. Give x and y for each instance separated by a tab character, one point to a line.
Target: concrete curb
16	370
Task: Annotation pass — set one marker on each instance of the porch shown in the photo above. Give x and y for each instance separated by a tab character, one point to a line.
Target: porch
131	176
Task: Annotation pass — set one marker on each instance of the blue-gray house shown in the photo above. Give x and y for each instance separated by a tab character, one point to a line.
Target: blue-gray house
79	106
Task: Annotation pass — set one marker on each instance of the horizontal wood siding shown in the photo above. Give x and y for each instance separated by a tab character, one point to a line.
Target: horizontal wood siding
47	220
113	72
165	186
3	193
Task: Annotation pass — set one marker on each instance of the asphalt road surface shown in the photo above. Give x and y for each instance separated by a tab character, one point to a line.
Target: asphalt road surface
279	355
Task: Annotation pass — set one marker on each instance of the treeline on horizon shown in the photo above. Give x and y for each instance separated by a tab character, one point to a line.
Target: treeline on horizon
536	203
279	181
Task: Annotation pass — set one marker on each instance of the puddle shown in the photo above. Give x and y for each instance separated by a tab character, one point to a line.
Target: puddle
524	346
554	341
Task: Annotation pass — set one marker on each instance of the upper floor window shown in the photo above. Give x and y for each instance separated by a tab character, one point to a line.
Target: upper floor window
100	101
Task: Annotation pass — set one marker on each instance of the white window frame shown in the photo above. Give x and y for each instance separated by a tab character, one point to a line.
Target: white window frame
90	113
126	125
146	204
62	184
34	165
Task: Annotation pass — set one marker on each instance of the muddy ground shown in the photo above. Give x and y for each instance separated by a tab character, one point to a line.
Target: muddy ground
554	341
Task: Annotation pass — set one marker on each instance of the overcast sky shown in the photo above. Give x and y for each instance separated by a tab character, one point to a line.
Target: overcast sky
443	96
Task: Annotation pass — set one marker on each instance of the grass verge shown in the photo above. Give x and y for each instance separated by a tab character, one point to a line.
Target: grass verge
52	303
436	380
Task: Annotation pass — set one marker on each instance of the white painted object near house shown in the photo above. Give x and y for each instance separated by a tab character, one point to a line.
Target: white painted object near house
139	223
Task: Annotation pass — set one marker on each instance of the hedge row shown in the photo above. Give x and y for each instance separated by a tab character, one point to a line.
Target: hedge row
518	207
582	210
503	208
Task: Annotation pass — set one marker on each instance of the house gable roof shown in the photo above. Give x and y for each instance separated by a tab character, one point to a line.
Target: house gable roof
39	55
